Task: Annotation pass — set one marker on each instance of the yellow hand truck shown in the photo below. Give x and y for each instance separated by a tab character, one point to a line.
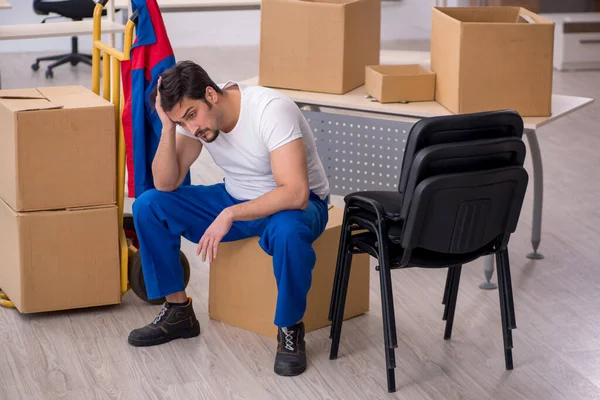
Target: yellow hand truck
130	258
131	262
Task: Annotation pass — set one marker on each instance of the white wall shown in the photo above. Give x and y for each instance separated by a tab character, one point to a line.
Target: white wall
401	20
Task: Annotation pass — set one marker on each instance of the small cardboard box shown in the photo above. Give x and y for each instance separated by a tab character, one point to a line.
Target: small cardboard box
59	260
492	58
57	148
318	45
399	83
243	292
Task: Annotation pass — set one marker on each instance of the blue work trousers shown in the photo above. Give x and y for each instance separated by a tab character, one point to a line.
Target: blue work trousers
162	218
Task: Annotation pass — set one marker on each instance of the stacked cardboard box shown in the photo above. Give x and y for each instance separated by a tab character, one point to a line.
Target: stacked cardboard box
58	213
318	45
492	58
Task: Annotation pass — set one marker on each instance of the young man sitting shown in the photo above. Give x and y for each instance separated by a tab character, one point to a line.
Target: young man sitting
275	188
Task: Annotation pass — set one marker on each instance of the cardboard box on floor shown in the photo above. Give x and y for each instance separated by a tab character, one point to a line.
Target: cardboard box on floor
243	292
318	45
61	259
399	83
57	148
492	58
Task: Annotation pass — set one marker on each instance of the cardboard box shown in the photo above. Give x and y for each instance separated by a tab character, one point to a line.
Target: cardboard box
57	148
59	260
318	45
243	292
399	83
531	5
492	58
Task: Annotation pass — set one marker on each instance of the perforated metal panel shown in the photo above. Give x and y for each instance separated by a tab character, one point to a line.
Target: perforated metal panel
359	153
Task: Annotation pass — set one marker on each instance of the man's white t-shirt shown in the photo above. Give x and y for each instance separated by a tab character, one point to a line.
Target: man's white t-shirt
267	121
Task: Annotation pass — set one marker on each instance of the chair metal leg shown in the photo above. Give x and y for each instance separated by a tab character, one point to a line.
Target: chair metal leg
344	238
504	311
82	58
60	61
391	378
508	287
340	302
387	316
51	58
385	273
451	306
387	305
447	289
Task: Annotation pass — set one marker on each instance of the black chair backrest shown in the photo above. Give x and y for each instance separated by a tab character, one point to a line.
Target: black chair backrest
477	155
73	9
458	128
462	196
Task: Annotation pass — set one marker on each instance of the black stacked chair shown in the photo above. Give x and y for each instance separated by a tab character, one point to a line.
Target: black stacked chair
76	10
459	197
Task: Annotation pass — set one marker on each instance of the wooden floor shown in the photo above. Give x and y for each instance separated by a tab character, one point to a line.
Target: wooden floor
84	354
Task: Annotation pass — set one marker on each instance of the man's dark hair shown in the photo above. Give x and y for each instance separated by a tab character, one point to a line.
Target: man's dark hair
185	79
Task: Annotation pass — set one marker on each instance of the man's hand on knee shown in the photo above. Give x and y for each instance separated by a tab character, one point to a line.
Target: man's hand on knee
209	243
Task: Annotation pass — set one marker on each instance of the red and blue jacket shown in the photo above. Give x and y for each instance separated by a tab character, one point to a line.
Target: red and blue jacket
151	55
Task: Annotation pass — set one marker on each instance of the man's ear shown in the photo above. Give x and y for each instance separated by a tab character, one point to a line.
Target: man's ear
211	95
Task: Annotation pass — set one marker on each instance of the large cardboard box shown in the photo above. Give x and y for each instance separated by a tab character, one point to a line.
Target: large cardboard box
531	5
57	148
491	58
58	260
399	83
243	292
318	45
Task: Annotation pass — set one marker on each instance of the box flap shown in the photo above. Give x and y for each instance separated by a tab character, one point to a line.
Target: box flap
31	93
26	100
526	19
72	97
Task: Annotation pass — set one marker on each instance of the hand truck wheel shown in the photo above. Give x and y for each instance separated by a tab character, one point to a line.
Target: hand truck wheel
136	276
129	228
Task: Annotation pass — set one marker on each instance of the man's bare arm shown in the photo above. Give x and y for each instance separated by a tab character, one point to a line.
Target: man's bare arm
291	175
175	153
174	156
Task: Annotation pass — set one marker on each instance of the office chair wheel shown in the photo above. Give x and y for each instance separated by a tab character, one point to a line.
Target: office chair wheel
35	66
49	74
136	277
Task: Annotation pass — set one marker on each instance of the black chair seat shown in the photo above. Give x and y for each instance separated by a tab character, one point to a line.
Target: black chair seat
390	201
72	9
420	258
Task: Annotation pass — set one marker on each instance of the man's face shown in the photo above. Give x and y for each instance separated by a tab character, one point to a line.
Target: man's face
196	117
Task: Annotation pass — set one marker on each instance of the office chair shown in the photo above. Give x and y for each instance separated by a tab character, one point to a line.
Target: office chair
76	10
459	198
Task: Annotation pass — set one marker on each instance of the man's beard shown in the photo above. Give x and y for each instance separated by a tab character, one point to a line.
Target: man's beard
213	136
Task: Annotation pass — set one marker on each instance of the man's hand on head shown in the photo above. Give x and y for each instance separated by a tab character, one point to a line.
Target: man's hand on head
164	118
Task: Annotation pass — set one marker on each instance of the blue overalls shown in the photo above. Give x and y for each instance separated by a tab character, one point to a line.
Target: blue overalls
162	218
